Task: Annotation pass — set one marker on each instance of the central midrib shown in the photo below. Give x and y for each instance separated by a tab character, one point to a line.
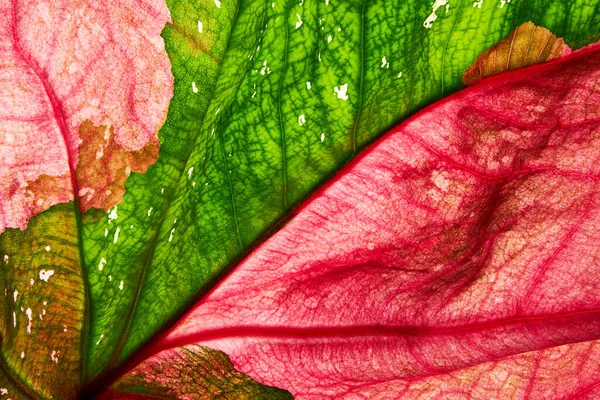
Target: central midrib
328	332
60	119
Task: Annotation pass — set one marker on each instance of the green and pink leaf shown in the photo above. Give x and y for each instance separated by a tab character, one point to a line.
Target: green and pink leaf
454	257
459	247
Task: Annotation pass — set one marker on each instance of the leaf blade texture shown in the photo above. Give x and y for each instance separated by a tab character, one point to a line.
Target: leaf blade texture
76	117
270	100
457	247
247	147
192	372
43	308
527	44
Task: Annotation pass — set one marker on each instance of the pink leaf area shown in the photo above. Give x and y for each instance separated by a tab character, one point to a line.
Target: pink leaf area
457	258
84	86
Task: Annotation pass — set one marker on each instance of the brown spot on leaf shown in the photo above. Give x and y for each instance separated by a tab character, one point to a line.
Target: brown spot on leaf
48	190
199	42
526	45
104	166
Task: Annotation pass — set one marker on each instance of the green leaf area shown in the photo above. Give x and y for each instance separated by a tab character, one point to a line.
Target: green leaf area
271	99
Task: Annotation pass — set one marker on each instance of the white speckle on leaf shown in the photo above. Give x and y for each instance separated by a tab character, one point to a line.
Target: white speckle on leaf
99	153
341	91
130	227
100	339
194	87
326	2
47	248
218	111
45	275
399	74
64	328
150	210
308	85
264	68
14	319
105	232
89	192
22	355
113	214
3	391
428	23
15	294
478	3
28	312
273	5
440	181
6	258
319	56
385	63
193	184
301	120
116	237
218	3
503	2
162	190
54	355
121	285
110	278
45	302
339	29
31	281
171	235
190	172
447	7
101	264
322	137
329	39
199	26
299	22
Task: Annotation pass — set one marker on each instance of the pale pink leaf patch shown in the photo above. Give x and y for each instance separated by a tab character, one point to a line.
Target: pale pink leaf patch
65	66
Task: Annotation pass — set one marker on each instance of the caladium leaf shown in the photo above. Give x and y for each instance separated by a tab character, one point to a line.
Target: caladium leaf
85	88
527	45
191	372
43	308
456	257
271	98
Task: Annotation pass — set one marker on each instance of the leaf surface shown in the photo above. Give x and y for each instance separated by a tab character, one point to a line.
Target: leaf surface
84	89
191	372
271	99
526	45
42	308
455	257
